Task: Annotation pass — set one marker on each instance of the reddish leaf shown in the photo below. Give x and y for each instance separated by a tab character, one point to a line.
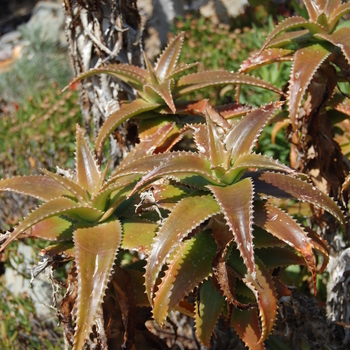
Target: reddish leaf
41	187
88	173
339	38
246	324
191	264
55	228
307	61
236	204
168	59
161	93
127	111
289	38
337	14
196	81
209	308
95	248
263	287
192	211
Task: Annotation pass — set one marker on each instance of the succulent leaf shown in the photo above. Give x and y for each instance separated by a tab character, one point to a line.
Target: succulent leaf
288	38
246	324
236	204
337	14
241	139
127	111
307	61
161	93
278	257
264	289
284	186
168	59
138	234
37	186
54	207
192	210
292	23
95	248
196	81
191	265
209	307
88	173
55	228
282	226
339	38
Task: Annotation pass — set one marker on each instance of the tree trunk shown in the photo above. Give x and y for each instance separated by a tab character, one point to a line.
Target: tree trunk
104	32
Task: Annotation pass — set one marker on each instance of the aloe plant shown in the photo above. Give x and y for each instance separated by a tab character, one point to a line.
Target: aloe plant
160	88
78	217
232	198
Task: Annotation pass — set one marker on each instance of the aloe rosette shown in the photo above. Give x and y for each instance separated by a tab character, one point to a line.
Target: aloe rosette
310	44
160	88
78	217
210	233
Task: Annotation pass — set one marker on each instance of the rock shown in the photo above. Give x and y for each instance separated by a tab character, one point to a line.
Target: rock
10	38
40	291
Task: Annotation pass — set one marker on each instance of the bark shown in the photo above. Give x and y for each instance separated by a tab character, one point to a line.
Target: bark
103	32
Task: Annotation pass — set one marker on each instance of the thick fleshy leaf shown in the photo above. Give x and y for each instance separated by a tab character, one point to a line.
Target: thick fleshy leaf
209	307
200	138
95	247
289	38
180	164
191	265
254	160
307	61
62	251
40	187
181	69
138	234
236	204
337	14
284	186
282	226
331	6
233	111
161	94
264	289
312	9
189	213
88	173
292	23
58	206
339	38
132	75
278	257
242	138
127	111
246	324
268	56
74	189
168	59
55	228
196	81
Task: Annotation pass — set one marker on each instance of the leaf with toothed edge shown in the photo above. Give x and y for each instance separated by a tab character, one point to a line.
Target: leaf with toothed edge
134	76
337	14
190	265
196	81
37	186
285	186
74	189
193	211
161	94
236	204
181	164
268	56
167	61
55	207
241	139
209	308
95	250
88	173
127	111
246	324
339	38
288	38
292	23
306	61
281	225
55	228
263	287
